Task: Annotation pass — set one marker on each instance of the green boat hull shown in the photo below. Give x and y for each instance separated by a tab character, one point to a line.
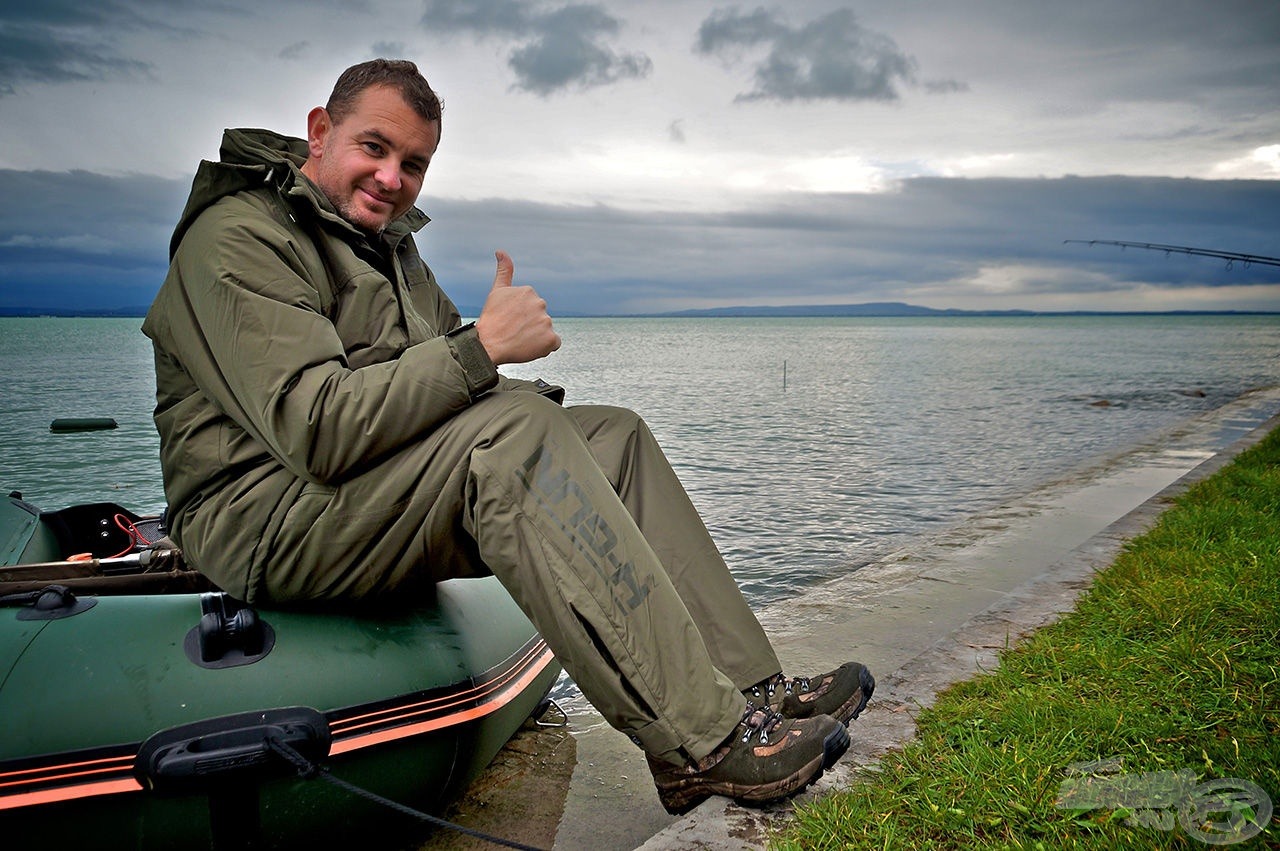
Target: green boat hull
415	702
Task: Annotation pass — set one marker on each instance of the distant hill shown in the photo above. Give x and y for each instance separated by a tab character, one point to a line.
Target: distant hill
135	311
874	308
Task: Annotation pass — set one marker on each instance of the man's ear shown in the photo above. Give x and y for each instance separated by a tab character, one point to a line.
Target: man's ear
318	127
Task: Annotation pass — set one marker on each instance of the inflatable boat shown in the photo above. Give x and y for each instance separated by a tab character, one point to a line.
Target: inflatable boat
142	708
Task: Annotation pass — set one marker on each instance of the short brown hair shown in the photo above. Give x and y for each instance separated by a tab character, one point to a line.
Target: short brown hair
399	74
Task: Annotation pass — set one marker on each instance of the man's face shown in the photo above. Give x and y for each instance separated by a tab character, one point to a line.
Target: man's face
371	165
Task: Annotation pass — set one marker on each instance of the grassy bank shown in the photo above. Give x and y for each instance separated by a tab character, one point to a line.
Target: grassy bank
1165	676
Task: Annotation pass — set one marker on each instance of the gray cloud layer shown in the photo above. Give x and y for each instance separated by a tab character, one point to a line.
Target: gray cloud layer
91	241
934	235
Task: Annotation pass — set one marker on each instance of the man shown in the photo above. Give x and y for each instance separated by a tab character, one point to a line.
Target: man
325	416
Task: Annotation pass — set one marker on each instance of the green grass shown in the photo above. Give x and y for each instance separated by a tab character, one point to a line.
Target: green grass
1170	663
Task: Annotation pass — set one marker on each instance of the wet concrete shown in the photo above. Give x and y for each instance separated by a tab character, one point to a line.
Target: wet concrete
921	619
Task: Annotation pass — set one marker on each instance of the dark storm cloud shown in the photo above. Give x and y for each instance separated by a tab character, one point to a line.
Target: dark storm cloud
935	235
829	58
812	249
1024	222
77	239
556	50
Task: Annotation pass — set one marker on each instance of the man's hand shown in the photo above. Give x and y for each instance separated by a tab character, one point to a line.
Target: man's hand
514	326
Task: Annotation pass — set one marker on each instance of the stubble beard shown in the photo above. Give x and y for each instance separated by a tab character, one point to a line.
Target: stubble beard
346	209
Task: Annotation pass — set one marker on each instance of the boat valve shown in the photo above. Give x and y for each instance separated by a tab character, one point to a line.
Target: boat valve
229	634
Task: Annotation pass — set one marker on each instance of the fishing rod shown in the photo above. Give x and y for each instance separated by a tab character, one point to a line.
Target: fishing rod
1230	256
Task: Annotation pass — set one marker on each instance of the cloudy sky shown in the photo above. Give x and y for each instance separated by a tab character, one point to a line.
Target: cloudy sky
659	155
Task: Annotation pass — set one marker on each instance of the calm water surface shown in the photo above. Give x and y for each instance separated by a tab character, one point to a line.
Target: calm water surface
885	429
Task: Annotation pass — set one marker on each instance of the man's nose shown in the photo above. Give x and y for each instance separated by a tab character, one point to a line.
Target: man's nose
388	176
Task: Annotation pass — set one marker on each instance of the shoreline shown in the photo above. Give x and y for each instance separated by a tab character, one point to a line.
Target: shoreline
922	618
857	311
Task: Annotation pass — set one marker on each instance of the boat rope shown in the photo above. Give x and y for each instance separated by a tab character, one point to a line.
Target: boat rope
309	770
137	540
23	599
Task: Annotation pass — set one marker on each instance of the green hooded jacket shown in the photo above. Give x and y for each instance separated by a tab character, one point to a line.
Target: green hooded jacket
291	347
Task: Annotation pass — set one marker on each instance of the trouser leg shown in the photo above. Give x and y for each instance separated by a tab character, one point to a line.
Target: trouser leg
511	484
640	473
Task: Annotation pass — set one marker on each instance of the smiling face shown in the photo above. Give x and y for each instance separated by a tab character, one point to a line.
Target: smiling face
371	164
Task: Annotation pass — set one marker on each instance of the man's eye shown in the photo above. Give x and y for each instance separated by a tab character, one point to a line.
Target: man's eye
373	147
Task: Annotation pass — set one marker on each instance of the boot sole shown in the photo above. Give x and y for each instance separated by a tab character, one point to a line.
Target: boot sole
678	801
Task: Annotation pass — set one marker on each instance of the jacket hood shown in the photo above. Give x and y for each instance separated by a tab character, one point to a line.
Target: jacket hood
253	158
247	159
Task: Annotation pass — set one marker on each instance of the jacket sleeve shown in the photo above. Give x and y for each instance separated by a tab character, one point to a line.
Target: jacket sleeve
255	340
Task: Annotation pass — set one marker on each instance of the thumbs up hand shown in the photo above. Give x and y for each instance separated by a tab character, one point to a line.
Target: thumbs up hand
514	326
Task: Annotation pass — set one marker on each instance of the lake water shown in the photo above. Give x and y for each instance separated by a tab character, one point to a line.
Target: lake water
811	446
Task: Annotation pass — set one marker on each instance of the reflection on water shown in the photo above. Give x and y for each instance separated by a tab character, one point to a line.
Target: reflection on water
886	428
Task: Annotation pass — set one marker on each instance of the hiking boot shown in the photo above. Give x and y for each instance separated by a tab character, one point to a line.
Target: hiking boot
842	693
767	758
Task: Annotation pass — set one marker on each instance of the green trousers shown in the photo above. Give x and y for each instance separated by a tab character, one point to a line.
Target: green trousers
580	516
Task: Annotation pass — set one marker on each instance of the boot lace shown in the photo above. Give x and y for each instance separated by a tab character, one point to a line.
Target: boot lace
759	721
789	686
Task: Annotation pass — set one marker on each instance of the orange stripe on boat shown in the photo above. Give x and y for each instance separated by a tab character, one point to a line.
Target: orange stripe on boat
538	655
404	731
68	769
67	793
